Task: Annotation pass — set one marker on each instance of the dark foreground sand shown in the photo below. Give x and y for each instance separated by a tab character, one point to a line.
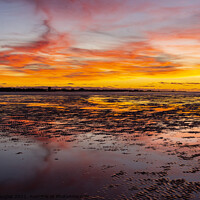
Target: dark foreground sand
100	146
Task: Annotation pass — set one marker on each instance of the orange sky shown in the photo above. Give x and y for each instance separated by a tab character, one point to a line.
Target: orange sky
147	44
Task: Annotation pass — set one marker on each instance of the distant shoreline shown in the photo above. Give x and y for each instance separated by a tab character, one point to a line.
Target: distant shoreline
103	92
49	89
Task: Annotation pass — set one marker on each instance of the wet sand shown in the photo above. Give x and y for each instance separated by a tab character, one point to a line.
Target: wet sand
100	146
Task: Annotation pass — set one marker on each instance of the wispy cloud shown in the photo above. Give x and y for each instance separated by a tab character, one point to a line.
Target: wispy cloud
99	40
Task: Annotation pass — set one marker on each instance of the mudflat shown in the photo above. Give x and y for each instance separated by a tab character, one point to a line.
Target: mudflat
88	145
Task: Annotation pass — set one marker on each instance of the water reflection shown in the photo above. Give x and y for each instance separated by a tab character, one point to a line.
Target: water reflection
101	146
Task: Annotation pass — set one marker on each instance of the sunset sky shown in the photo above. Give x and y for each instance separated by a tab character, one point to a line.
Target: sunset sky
149	44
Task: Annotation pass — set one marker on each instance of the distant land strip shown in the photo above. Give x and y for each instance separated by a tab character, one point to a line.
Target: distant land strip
50	89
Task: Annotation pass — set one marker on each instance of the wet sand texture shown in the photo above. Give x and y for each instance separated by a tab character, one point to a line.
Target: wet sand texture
117	146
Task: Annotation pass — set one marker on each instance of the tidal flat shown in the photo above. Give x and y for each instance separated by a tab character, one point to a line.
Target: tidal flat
88	145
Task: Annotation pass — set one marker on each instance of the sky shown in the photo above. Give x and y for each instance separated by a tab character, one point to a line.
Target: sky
147	44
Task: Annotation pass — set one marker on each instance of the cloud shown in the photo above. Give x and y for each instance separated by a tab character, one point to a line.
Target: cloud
99	40
180	83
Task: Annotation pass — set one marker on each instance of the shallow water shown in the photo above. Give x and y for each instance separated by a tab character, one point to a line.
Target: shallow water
100	146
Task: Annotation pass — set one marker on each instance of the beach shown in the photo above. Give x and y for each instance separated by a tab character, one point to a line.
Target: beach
87	145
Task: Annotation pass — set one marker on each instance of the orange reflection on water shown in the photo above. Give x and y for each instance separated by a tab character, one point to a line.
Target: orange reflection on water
98	140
